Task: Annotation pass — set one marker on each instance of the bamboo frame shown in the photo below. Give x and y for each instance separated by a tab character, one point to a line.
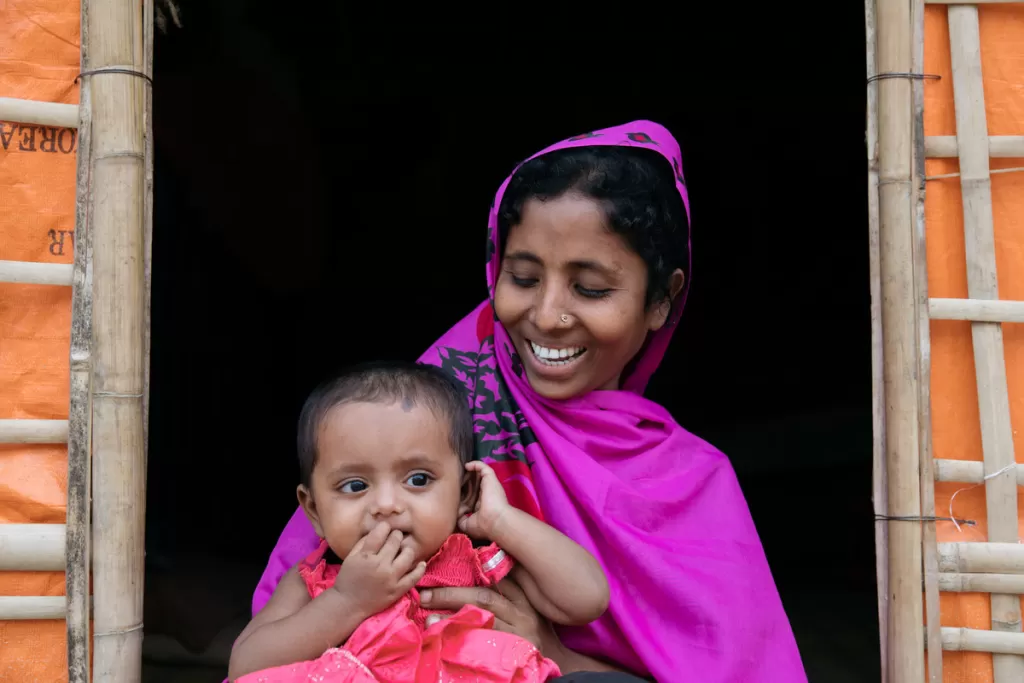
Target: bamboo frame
990	366
977	310
116	210
900	339
968	471
79	511
31	547
38	113
982	583
976	640
18	608
879	490
33	431
999	146
981	558
26	273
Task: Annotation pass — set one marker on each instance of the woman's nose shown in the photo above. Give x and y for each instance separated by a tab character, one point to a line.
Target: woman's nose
548	309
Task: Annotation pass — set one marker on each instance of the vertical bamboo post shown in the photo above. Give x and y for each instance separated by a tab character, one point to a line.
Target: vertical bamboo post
878	473
77	539
116	202
987	337
930	562
900	340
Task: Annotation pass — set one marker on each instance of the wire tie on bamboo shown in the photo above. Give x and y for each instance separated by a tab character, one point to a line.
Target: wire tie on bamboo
1011	466
117	631
115	70
915	518
903	74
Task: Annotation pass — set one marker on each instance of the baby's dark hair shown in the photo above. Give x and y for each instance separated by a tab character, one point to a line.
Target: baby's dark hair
636	188
387	382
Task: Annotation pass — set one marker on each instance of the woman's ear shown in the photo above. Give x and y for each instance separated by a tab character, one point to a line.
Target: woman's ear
660	311
308	506
469	492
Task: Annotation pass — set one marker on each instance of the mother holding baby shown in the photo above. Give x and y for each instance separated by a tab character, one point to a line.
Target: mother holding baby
588	258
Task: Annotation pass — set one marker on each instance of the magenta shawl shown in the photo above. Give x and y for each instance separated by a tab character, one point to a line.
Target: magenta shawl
692	598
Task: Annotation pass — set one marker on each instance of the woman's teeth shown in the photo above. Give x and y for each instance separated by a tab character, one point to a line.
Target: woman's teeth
563	356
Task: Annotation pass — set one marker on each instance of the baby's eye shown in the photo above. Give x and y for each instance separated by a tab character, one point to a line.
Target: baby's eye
354	486
418	480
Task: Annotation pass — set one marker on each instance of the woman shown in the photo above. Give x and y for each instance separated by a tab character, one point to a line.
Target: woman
587	264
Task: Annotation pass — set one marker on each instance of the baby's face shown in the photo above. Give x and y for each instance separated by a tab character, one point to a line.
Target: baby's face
389	462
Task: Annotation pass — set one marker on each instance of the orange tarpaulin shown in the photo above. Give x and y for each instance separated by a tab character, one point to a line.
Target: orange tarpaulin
39	59
956	429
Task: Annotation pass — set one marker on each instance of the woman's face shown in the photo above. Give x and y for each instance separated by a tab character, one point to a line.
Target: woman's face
571	296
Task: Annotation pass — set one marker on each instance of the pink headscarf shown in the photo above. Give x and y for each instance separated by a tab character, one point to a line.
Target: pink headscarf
692	598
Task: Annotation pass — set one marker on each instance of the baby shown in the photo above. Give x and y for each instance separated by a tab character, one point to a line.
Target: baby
388	481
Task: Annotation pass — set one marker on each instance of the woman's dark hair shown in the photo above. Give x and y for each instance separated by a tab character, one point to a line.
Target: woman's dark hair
635	187
387	382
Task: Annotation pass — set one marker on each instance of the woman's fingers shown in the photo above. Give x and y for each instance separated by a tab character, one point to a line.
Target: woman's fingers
453	598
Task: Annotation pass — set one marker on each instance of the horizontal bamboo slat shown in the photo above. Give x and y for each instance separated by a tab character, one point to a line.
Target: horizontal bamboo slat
17	608
982	583
977	310
27	273
999	146
39	113
33	431
968	471
981	558
977	640
32	547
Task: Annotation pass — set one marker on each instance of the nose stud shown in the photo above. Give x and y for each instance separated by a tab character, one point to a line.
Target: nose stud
564	318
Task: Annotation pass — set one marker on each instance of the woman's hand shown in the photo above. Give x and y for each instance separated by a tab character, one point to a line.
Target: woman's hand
512	612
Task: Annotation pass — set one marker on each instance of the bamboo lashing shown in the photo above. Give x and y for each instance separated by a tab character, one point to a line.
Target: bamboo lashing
968	471
18	608
33	431
31	547
38	113
116	214
990	367
23	272
79	511
977	310
879	490
999	146
900	341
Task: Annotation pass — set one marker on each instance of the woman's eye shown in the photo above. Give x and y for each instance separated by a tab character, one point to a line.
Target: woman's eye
418	480
592	293
523	281
353	486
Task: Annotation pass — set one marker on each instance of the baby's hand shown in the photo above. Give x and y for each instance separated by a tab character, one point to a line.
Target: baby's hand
378	571
491	504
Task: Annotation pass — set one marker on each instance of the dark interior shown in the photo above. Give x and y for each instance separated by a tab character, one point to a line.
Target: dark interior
321	193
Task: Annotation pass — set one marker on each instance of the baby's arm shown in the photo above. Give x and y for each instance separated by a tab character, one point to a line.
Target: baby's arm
563	581
292	628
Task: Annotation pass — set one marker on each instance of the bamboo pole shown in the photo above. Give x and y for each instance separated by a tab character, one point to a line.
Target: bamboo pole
18	608
982	583
23	272
974	640
968	471
878	470
999	146
33	431
930	563
148	23
989	361
31	547
79	510
900	339
116	210
981	558
977	310
38	113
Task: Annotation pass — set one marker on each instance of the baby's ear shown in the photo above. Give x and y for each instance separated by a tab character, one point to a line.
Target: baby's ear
469	492
308	506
